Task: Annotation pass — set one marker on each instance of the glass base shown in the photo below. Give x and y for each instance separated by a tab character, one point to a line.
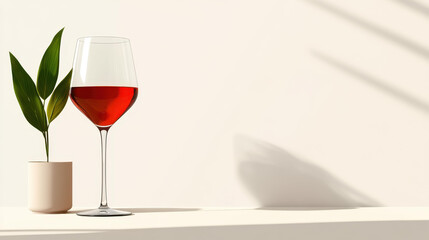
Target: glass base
103	212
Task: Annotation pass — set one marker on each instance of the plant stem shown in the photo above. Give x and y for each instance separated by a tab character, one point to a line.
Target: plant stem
46	136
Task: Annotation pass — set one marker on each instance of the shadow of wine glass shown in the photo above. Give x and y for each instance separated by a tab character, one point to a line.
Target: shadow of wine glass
151	210
143	210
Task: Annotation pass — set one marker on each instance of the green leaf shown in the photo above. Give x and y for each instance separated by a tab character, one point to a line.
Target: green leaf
26	93
48	69
59	97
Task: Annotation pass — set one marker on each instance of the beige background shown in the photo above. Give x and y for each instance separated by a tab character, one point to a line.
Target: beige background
241	103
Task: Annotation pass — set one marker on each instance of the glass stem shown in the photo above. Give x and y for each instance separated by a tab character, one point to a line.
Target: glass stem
103	134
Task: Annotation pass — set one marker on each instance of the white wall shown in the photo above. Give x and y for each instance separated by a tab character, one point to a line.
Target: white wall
241	103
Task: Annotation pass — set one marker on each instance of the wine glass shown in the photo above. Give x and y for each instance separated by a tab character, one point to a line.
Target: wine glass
104	87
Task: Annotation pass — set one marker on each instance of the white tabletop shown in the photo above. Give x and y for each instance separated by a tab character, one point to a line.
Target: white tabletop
247	224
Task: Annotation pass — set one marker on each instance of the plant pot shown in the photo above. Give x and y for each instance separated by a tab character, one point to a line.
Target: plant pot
49	186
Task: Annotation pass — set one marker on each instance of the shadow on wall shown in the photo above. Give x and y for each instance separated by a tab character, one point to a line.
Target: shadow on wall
386	34
277	178
415	5
374	82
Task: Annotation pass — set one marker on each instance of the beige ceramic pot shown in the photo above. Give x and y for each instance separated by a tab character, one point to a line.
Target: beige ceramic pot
49	186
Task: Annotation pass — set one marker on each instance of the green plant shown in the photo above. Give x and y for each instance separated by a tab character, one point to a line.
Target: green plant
32	98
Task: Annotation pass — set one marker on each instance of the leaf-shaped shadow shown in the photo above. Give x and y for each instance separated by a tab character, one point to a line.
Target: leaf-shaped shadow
277	178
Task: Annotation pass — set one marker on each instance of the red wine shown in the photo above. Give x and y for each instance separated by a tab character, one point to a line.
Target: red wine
103	105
